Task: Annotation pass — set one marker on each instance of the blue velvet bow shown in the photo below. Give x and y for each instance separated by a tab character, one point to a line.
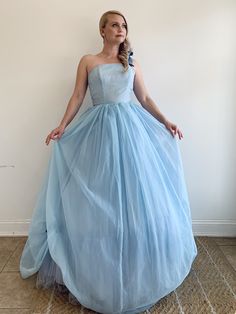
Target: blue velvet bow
130	58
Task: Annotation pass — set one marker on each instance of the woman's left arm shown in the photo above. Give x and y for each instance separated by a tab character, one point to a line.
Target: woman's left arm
146	101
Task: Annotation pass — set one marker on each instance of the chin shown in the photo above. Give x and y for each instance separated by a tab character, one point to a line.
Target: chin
120	39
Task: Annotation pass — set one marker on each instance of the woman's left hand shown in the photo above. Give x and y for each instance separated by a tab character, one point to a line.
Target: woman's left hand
173	129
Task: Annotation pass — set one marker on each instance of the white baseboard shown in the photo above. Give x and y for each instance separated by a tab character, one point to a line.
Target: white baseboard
214	228
17	228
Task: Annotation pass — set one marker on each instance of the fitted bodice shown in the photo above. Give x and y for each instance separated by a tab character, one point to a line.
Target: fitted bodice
108	83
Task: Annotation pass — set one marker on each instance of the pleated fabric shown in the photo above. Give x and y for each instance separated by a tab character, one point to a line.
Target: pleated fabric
112	221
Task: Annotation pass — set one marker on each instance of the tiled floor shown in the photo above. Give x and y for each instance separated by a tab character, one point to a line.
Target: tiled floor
21	296
228	247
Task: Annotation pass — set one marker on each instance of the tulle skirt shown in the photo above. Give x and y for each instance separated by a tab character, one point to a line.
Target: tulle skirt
112	220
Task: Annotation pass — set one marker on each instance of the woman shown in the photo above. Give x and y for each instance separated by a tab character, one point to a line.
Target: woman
112	222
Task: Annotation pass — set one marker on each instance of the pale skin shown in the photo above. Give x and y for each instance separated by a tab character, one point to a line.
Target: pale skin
113	34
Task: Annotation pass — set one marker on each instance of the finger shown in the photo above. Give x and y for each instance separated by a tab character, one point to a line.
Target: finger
180	134
54	135
50	136
172	132
47	140
60	135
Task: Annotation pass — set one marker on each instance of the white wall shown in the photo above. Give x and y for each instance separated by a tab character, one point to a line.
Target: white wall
187	52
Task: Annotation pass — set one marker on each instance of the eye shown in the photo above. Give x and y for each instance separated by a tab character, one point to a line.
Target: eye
123	25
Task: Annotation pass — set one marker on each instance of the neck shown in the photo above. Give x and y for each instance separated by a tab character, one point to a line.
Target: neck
110	51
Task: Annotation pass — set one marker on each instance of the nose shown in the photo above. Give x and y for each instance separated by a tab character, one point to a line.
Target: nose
120	32
120	29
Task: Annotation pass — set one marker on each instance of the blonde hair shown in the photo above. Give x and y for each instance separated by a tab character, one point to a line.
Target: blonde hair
125	51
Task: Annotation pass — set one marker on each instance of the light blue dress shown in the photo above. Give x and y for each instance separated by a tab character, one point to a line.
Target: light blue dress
112	220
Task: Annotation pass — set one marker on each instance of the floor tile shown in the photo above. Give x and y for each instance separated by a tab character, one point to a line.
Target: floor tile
224	241
15	311
4	257
15	292
230	253
48	301
14	260
9	243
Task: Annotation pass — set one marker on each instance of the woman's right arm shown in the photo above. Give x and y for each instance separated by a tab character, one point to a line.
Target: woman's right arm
75	101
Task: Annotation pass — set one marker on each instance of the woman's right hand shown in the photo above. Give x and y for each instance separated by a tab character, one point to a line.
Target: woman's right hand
55	134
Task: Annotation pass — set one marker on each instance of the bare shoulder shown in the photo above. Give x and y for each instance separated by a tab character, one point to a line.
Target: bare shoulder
137	67
87	57
84	60
89	61
136	64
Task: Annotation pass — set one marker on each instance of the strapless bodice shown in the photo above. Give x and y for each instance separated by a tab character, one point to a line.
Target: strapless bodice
108	83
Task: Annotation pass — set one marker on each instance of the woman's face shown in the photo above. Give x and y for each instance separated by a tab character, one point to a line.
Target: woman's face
115	29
